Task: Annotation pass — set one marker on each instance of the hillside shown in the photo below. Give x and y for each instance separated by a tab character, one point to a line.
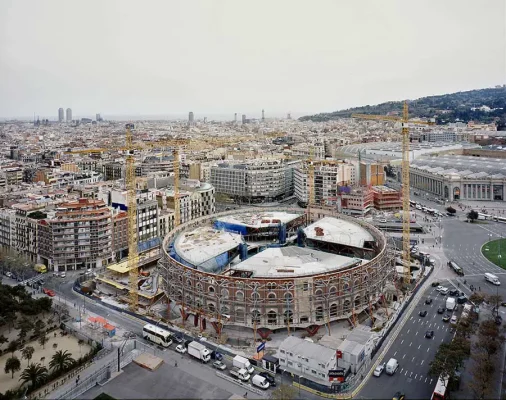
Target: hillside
445	108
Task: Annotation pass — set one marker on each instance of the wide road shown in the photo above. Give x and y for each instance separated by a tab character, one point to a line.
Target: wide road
462	243
414	352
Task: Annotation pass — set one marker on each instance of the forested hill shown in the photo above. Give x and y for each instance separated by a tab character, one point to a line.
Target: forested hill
445	108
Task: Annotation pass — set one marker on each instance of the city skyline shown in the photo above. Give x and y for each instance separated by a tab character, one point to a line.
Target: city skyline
148	60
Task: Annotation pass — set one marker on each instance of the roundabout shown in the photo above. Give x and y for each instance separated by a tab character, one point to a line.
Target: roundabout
495	252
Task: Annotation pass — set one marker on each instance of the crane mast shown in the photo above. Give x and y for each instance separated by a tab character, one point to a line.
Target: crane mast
406	243
133	259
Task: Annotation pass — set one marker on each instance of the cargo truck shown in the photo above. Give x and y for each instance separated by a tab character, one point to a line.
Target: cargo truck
242	362
199	351
240	373
450	303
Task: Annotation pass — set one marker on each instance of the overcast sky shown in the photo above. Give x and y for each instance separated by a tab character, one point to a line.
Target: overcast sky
149	57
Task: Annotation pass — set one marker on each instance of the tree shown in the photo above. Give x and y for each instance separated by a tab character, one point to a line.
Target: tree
27	353
481	371
449	358
39	327
12	365
489	338
35	374
472	215
284	392
43	340
3	340
477	298
61	360
496	300
13	347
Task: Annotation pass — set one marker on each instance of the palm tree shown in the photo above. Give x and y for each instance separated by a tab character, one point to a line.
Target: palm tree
61	360
27	353
35	374
43	340
12	365
42	360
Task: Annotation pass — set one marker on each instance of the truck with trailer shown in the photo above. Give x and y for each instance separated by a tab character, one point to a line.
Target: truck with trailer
199	351
450	303
242	362
240	373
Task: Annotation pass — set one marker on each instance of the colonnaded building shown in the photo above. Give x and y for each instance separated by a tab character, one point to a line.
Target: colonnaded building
460	177
267	270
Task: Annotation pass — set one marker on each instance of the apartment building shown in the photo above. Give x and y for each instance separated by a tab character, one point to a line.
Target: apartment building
329	178
315	151
256	181
386	198
26	223
7	217
119	234
355	201
307	359
76	235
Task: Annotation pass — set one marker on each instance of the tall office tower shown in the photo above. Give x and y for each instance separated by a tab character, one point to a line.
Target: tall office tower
288	116
244	118
190	117
205	120
235	118
69	115
98	118
263	115
60	115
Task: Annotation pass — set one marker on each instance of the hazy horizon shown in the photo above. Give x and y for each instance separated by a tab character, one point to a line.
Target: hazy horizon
129	58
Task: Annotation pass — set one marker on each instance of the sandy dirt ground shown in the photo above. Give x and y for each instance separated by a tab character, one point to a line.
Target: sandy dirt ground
68	342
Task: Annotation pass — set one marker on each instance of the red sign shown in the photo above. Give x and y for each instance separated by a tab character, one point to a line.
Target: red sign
339	354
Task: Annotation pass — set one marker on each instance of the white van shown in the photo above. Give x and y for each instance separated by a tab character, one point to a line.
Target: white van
492	279
260	381
392	366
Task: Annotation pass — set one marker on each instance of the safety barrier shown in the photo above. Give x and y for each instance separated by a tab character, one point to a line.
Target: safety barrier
242	384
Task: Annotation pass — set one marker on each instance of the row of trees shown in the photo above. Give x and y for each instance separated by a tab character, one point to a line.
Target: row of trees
11	260
489	340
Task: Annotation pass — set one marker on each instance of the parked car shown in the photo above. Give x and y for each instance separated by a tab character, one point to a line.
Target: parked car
443	291
429	334
219	365
422	313
454	292
269	377
446	318
441	310
379	369
428	301
453	319
439	288
181	349
435	284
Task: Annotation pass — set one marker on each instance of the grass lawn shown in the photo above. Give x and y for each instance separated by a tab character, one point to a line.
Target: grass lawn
491	251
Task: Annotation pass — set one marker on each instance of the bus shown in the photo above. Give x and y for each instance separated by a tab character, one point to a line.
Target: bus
156	335
500	219
440	390
453	265
482	217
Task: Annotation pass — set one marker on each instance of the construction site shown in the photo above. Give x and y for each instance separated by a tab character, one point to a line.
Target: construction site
263	271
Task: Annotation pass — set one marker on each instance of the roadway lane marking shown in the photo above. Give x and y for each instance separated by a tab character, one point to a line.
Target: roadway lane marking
405	373
428	349
430	325
402	369
410	344
403	356
419	347
395	354
422	362
426	379
411	373
431	381
408	331
442	339
413	359
416	333
421	377
402	341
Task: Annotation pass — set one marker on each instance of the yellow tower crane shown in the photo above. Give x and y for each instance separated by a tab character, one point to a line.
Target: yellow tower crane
405	179
131	186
